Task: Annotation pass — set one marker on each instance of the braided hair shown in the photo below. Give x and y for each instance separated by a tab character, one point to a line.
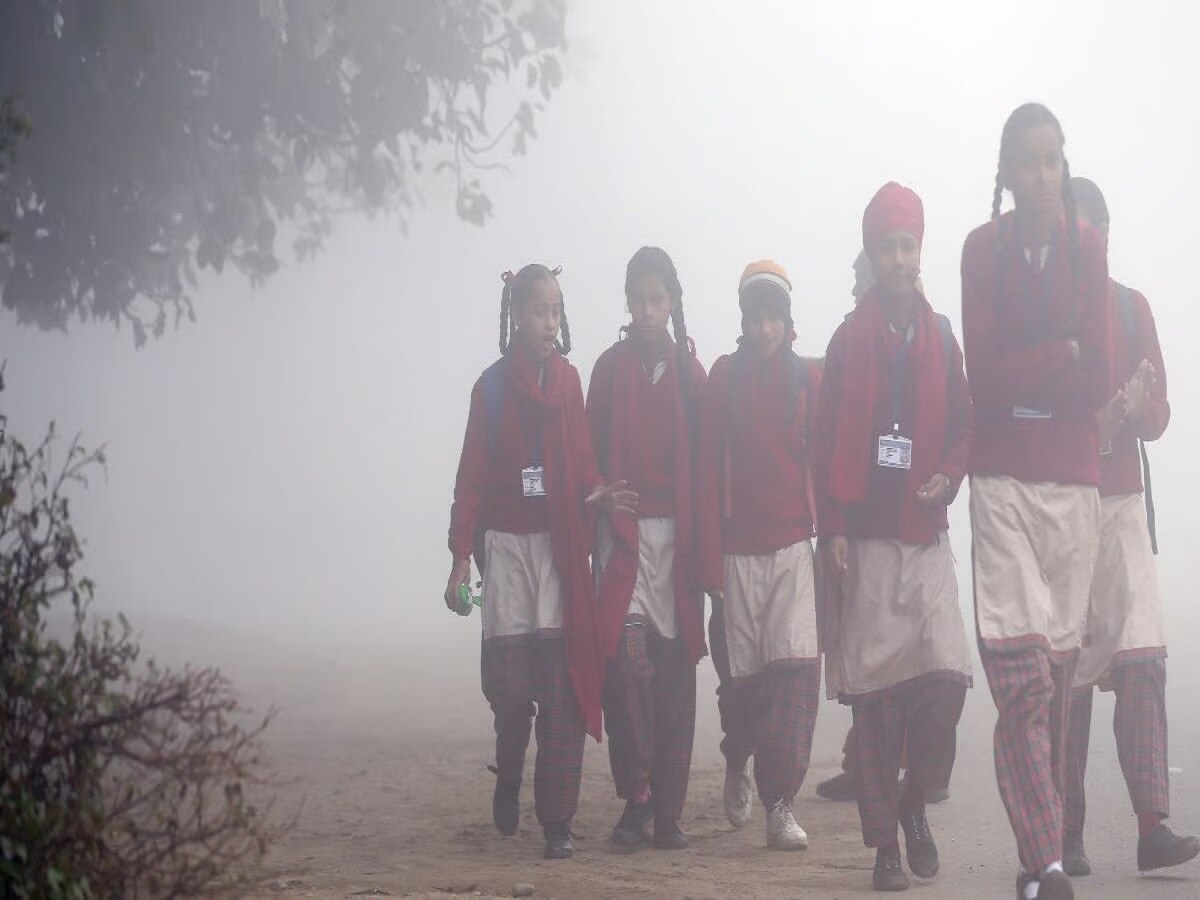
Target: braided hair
1024	117
516	292
655	261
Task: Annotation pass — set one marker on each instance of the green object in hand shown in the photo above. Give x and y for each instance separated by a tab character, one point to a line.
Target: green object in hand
468	599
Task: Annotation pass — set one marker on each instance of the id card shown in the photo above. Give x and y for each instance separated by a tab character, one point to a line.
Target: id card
895	452
533	481
1028	412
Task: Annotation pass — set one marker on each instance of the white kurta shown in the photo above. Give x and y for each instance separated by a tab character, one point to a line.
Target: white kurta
1125	616
653	598
1034	547
522	593
770	609
899	617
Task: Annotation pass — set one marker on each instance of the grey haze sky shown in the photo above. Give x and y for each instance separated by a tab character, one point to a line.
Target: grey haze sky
288	461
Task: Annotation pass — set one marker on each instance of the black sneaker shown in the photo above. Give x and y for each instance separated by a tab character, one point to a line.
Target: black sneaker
1075	861
630	830
889	874
667	835
840	787
506	807
558	842
918	843
1162	848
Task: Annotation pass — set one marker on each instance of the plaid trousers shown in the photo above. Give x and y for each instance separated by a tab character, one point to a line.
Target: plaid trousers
650	717
738	742
1032	694
783	703
524	675
925	715
1140	728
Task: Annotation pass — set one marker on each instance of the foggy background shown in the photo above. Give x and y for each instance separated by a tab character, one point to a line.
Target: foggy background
280	473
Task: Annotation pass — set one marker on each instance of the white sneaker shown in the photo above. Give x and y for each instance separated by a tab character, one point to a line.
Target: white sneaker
739	796
783	831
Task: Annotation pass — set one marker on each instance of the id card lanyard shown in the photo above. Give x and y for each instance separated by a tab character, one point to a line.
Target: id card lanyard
895	450
533	476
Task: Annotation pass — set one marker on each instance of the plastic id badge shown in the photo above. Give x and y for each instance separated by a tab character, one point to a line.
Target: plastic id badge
1028	412
533	481
895	452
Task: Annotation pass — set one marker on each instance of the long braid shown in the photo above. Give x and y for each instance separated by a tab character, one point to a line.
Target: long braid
998	192
683	348
564	345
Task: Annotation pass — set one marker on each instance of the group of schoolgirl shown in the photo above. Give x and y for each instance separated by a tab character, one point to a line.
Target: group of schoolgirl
599	526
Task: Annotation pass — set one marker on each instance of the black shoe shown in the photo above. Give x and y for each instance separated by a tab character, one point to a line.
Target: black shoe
918	844
667	835
630	830
932	795
1055	885
506	807
1162	848
889	874
558	842
1075	861
840	787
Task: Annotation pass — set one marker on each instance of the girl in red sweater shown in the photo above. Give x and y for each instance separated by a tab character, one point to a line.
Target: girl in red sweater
756	554
893	434
1125	649
1038	343
526	473
640	402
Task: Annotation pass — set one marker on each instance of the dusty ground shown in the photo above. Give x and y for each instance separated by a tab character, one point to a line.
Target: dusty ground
394	798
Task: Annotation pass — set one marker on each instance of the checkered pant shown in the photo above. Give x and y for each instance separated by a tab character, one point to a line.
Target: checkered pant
1032	695
738	742
1140	727
650	717
925	714
523	675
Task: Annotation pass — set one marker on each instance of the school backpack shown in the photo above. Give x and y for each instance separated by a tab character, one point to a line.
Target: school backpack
1127	313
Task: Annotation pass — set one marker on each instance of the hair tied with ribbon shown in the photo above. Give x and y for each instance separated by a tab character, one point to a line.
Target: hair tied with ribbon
507	276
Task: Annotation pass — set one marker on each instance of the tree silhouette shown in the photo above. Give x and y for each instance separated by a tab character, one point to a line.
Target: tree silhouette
176	136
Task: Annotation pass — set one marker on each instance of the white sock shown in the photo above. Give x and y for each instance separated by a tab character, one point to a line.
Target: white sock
1031	890
1055	866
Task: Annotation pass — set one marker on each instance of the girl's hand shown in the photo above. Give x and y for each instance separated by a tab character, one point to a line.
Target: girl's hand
1138	388
460	574
839	554
614	498
934	492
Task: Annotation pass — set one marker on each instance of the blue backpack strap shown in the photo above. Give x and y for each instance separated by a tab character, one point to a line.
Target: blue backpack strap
493	400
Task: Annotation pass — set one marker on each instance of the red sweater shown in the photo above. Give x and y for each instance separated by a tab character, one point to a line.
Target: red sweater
1121	470
1017	324
754	480
653	476
488	493
889	501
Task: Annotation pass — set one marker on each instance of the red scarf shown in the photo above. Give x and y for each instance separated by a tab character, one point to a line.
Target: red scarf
620	574
564	427
867	343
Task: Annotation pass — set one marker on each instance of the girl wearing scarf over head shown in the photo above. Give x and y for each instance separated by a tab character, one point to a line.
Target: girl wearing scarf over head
641	400
893	434
1037	335
756	529
525	478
